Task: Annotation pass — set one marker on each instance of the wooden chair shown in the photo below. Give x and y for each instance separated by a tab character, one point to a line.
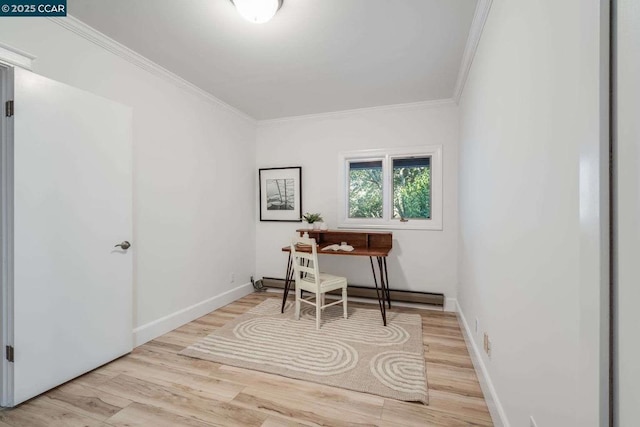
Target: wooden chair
304	253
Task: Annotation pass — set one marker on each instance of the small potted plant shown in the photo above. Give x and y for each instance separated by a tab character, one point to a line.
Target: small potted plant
313	219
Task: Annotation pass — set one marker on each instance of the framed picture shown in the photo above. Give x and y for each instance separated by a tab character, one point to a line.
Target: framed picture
280	194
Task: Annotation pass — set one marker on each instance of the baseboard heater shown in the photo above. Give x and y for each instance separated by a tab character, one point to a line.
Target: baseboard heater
368	292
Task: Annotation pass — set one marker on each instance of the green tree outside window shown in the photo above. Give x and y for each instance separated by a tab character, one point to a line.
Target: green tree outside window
411	189
365	190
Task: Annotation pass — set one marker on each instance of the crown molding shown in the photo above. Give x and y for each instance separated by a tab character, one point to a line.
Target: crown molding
342	113
475	33
11	55
91	34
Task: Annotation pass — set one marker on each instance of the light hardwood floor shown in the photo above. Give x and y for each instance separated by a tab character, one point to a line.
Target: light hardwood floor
153	386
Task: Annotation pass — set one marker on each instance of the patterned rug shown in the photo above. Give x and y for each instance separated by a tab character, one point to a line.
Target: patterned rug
357	353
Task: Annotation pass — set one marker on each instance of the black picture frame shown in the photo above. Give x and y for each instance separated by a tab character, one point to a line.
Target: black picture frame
274	188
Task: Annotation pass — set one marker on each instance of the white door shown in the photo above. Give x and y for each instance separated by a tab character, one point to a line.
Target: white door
627	214
72	202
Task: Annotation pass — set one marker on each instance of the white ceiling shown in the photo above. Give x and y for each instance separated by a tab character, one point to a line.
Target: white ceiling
315	56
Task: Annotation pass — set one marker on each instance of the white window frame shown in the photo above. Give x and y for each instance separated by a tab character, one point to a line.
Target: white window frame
386	156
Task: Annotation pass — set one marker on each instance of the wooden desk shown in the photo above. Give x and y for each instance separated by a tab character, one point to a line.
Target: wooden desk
365	243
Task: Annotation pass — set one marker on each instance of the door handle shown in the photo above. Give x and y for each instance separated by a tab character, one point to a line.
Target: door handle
124	245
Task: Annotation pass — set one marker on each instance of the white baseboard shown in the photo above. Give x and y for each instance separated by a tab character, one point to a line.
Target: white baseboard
165	324
450	305
490	395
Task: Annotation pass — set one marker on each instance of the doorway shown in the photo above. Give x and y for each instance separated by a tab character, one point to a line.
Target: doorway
626	212
5	235
66	221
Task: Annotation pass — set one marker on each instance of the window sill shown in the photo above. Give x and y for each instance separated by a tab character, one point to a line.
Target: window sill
395	225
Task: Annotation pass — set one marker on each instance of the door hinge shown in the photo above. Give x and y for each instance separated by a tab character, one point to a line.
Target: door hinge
8	108
9	355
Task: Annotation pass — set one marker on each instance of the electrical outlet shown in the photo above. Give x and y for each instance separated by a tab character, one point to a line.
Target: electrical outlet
477	325
232	277
532	422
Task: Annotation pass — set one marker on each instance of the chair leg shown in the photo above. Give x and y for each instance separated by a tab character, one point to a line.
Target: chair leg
318	310
298	296
344	301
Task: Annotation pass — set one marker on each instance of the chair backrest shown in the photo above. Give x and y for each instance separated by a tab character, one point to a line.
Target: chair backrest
305	260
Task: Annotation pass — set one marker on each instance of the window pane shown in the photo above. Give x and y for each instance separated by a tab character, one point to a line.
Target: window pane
365	189
412	188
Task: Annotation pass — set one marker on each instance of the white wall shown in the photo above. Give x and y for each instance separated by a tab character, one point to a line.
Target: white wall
530	105
193	168
421	260
627	180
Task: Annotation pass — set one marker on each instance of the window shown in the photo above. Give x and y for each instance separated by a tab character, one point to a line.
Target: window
365	189
412	188
397	188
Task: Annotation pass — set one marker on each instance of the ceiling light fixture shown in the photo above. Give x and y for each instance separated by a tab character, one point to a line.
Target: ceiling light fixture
257	11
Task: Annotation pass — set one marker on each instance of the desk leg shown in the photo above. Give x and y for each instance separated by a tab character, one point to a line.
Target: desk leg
287	283
384	281
381	296
386	278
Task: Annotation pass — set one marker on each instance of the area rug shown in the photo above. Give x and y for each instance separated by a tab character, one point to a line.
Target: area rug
357	353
